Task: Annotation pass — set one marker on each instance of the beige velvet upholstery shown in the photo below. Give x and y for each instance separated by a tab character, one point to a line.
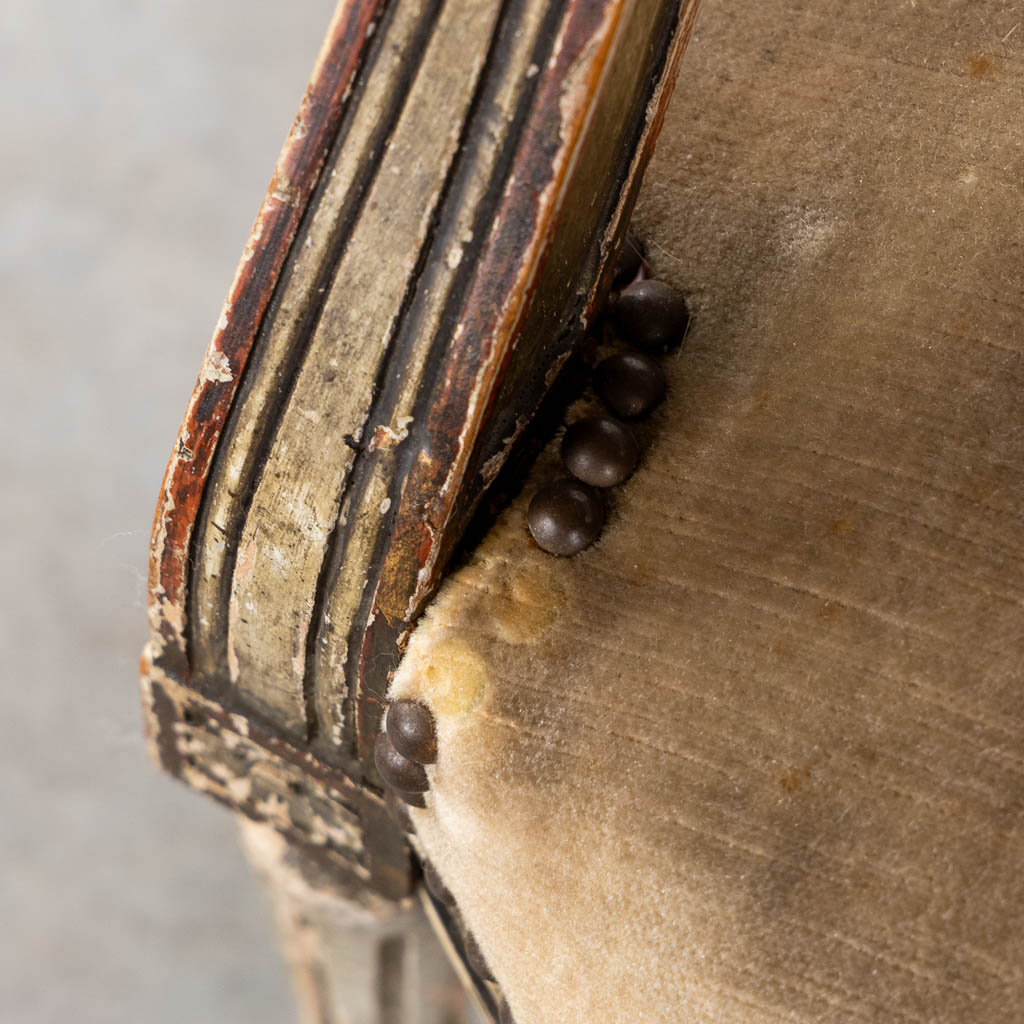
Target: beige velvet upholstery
758	755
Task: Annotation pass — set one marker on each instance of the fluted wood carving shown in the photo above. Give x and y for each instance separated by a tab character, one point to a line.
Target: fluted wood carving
433	246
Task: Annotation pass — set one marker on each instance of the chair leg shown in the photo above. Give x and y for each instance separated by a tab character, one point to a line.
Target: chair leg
354	963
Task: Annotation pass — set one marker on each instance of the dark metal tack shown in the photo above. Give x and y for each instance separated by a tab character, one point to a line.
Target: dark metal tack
398	772
651	316
631	384
411	728
600	451
566	516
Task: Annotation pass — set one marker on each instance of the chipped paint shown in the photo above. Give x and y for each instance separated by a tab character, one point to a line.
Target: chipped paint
386	437
285	192
454	256
503	329
217	368
269	781
485	343
299	166
240	789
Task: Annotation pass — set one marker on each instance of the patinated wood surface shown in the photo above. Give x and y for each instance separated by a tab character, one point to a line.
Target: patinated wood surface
298	169
350	966
247	768
435	241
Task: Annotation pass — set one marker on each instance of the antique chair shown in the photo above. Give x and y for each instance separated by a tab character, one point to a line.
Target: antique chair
731	731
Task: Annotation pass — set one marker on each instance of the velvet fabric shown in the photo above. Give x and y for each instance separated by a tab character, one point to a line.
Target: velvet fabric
758	755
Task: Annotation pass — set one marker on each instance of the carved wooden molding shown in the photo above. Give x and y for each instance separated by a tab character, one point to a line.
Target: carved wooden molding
438	233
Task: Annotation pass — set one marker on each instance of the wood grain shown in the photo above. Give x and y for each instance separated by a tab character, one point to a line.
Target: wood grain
295	503
284	334
298	169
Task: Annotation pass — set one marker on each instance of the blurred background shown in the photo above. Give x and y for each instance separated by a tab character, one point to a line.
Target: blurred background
137	140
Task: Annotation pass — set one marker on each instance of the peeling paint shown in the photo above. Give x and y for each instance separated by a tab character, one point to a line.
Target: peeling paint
454	256
285	192
240	789
434	510
212	754
217	368
386	437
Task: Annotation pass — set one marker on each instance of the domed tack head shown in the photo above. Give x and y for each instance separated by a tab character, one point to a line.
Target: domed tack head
631	384
566	516
436	888
411	728
631	258
399	772
476	958
651	315
600	451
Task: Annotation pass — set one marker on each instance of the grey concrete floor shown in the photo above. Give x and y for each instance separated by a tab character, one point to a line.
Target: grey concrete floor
136	142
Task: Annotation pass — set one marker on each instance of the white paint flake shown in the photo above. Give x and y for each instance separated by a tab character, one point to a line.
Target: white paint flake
217	369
